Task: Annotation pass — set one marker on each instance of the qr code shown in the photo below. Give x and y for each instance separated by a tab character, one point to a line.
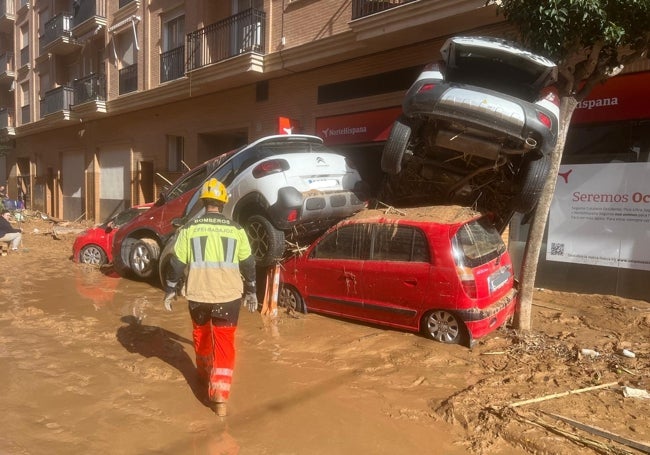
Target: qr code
557	249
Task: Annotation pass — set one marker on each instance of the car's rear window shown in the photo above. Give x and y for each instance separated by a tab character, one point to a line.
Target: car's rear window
477	243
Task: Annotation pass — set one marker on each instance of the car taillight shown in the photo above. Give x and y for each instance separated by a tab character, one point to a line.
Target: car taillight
545	119
426	88
292	215
467	280
270	167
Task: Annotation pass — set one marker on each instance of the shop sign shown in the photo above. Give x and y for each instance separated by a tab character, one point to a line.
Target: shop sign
619	98
600	215
359	127
288	125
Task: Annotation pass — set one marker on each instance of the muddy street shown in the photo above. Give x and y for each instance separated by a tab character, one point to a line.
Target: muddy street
92	363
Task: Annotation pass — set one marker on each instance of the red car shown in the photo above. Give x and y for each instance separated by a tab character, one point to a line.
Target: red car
441	270
93	246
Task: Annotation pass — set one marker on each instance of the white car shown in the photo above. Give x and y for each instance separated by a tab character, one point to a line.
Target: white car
284	188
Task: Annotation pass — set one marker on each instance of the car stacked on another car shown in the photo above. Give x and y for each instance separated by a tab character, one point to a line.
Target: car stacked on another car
93	246
443	270
284	187
477	129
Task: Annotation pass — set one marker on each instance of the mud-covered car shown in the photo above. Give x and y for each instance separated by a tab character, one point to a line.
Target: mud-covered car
93	246
284	187
443	271
477	129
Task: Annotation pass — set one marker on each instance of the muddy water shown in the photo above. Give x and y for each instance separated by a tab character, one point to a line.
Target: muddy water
90	363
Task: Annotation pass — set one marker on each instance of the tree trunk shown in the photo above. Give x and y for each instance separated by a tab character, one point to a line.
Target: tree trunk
538	224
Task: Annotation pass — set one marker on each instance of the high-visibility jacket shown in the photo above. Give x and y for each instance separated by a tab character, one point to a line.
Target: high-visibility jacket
217	253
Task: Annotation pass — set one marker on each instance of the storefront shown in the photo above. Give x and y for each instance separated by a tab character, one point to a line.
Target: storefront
361	136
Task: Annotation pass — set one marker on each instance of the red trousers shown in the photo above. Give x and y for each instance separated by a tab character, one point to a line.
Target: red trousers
215	357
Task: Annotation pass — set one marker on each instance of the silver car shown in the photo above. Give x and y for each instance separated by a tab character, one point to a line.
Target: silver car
477	128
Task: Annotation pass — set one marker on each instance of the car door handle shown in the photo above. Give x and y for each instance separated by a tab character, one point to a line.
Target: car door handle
411	282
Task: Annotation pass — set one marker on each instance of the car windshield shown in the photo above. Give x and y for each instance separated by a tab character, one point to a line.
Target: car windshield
124	217
477	243
196	177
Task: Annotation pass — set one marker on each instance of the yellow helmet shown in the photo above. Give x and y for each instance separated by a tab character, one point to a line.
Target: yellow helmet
214	189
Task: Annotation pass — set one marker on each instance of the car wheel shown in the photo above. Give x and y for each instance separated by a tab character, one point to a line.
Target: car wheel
444	326
267	242
533	177
93	255
395	147
290	299
143	257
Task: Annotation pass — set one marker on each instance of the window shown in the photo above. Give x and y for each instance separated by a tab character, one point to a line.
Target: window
24	88
348	242
175	153
399	243
173	33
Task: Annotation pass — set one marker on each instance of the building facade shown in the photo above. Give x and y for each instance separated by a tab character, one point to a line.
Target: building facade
103	101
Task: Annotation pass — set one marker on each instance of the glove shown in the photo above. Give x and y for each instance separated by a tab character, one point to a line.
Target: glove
170	296
250	300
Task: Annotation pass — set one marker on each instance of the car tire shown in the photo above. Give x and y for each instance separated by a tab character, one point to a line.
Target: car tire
533	177
444	326
395	147
290	299
143	258
92	255
267	242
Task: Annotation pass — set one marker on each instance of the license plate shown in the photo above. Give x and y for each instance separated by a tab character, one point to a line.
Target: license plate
317	184
498	278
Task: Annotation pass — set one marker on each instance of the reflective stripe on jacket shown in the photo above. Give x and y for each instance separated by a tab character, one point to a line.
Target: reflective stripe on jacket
212	246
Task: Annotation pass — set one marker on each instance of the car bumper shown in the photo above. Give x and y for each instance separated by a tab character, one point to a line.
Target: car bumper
467	105
313	207
480	322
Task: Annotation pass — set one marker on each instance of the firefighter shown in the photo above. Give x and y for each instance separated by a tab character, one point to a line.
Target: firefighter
213	254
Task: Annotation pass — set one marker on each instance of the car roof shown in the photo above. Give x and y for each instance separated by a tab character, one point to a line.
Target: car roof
436	214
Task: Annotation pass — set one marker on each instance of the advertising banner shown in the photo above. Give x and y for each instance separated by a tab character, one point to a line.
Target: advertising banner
600	215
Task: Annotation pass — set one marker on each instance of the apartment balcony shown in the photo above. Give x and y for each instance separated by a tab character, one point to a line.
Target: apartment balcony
57	36
7	15
394	23
7	119
239	34
172	64
88	15
362	8
128	79
89	98
57	100
7	68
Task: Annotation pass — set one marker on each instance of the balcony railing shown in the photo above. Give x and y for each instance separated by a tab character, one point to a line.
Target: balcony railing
56	100
87	9
129	79
55	28
7	117
25	114
24	56
244	32
172	64
7	62
89	88
361	8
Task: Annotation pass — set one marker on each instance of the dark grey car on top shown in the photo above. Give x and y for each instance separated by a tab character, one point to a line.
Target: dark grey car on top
477	128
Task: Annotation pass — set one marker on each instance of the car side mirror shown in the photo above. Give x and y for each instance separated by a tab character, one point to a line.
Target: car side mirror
178	222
